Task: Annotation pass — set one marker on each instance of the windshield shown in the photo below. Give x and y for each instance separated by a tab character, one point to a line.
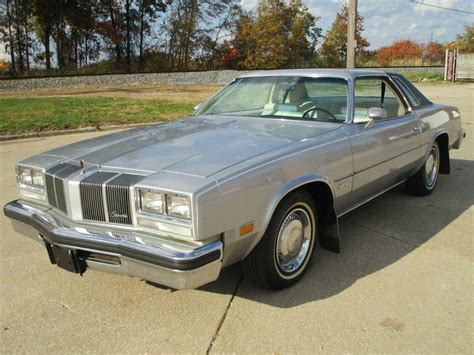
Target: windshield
301	98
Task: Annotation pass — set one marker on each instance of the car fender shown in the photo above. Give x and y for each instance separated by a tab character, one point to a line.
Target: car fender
283	191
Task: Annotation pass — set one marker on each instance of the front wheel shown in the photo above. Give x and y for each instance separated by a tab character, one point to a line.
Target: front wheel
283	254
424	181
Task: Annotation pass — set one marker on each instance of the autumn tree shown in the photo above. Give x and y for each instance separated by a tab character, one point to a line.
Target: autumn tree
433	53
3	66
110	25
465	41
333	51
43	12
6	30
399	52
17	27
17	33
193	28
79	30
71	25
148	11
281	34
268	37
210	40
303	34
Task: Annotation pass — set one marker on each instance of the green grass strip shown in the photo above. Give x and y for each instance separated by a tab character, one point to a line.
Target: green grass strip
26	115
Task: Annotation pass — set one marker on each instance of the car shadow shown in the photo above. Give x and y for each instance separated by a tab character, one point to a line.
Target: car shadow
373	237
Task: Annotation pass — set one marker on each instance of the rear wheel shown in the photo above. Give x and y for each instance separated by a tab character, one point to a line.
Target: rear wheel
424	181
283	254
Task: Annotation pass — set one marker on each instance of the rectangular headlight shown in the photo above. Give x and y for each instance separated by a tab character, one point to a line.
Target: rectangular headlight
37	177
153	202
178	206
28	177
165	204
24	176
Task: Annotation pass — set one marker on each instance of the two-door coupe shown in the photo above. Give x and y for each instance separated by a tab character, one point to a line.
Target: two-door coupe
260	173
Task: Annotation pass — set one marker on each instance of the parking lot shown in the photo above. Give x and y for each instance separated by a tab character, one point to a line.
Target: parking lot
403	282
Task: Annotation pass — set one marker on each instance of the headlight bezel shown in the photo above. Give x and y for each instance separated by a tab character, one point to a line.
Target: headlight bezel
166	197
145	201
179	201
34	175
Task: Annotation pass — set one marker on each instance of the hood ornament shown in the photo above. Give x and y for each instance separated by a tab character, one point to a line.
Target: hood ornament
82	164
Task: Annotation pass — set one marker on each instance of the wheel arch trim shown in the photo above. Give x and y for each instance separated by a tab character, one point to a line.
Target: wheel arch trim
445	167
290	187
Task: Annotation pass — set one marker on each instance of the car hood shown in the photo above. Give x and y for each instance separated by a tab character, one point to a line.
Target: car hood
199	146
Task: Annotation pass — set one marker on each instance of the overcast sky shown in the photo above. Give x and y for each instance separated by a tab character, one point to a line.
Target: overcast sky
389	20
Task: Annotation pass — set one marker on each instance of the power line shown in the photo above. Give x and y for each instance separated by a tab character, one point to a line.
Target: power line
441	7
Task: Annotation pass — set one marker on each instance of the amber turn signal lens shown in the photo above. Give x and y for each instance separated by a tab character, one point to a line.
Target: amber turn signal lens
246	229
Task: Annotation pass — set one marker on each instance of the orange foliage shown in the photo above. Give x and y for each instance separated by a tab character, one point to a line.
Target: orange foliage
434	52
399	50
451	45
4	66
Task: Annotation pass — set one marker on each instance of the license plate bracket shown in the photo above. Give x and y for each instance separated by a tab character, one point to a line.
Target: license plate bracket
66	259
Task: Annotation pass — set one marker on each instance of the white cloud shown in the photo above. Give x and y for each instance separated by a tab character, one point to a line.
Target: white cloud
440	32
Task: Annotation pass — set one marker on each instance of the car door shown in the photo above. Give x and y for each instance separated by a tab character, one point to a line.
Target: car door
387	150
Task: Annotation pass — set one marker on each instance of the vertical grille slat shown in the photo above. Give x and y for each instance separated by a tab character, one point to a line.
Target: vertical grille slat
118	198
60	196
54	179
92	199
59	184
49	179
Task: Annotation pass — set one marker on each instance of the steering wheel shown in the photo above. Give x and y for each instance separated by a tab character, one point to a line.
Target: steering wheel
323	110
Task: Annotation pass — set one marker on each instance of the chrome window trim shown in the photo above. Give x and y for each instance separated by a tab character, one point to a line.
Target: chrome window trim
393	85
348	96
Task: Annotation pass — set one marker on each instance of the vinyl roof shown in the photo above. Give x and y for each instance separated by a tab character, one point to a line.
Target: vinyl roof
338	73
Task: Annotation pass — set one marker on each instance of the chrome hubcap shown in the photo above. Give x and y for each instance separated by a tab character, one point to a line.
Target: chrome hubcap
431	167
294	239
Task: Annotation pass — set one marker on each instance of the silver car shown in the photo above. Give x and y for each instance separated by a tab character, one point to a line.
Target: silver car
260	173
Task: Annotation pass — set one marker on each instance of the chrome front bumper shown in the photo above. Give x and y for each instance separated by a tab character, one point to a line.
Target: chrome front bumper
167	263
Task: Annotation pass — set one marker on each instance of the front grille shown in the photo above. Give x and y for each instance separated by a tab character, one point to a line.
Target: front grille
118	198
116	206
92	196
54	180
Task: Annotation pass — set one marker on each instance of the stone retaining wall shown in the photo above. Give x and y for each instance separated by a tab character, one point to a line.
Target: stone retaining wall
190	78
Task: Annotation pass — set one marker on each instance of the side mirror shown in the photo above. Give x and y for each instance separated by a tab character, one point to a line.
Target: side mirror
373	114
377	113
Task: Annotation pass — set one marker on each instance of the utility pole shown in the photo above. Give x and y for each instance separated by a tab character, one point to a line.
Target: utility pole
351	34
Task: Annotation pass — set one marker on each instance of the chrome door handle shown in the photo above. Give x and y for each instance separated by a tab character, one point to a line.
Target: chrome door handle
417	129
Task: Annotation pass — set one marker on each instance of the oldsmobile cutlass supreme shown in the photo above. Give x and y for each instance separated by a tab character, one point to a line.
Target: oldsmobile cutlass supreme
260	173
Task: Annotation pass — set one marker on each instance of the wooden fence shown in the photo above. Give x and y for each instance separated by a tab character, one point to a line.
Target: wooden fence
459	66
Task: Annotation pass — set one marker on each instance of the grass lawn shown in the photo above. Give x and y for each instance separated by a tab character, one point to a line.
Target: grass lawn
418	76
21	115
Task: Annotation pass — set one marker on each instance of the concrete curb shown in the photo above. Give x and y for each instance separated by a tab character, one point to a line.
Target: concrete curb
72	131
